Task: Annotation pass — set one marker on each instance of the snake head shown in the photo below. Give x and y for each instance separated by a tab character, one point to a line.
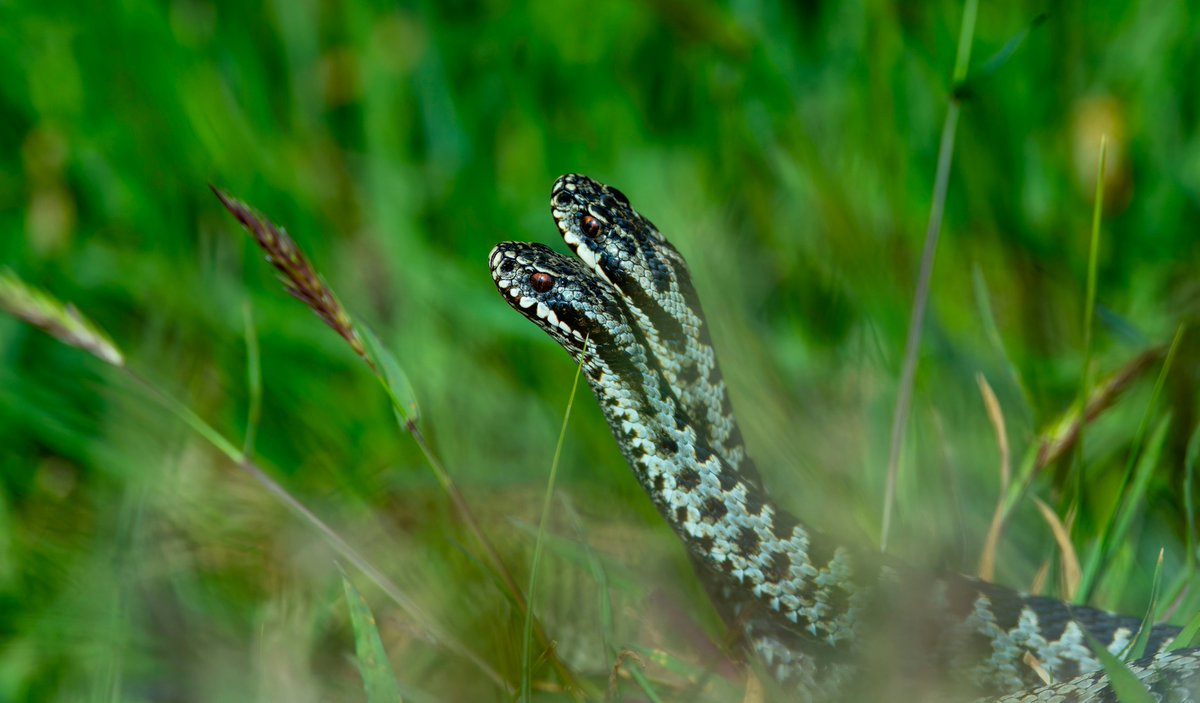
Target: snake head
615	241
600	225
556	293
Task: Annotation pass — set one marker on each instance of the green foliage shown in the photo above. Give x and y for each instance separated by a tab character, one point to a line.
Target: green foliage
378	679
787	149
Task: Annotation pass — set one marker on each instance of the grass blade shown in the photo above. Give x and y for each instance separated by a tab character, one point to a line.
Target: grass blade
1189	636
527	634
253	379
1062	536
394	380
920	300
1125	683
1189	494
60	320
1117	526
1137	648
378	679
1099	556
987	562
1089	308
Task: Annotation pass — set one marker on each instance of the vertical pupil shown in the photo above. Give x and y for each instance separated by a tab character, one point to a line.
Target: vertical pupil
541	282
591	226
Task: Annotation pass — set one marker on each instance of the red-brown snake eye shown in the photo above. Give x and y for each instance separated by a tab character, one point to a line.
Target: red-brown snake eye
590	226
541	282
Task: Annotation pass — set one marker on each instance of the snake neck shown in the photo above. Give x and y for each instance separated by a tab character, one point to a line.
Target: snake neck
624	248
760	560
676	334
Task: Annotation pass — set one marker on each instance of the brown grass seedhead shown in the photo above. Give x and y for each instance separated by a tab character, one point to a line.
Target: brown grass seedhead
299	277
59	320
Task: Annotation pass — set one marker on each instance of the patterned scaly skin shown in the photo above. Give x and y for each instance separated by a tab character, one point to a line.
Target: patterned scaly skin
1170	677
623	247
802	620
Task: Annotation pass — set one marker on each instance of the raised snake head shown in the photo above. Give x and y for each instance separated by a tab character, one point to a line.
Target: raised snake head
558	294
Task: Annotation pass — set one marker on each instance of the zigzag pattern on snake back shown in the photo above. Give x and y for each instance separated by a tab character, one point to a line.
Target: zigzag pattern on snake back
627	250
798	598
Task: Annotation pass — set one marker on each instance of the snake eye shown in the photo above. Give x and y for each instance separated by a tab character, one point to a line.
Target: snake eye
591	226
541	282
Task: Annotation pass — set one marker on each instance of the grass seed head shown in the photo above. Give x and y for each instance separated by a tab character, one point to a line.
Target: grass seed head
296	272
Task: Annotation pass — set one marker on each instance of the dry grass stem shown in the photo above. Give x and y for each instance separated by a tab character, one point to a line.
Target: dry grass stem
1063	434
987	562
1039	578
1033	663
1071	572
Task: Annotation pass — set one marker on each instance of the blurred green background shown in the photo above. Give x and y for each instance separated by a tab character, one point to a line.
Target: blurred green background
788	150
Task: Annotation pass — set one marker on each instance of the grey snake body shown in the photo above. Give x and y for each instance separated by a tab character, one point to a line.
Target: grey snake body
804	604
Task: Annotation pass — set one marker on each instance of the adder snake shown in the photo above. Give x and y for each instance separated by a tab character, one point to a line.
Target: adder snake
809	607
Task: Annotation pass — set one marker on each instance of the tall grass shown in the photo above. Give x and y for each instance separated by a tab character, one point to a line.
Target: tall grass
787	150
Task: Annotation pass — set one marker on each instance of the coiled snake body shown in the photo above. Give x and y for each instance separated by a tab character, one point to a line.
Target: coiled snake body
803	603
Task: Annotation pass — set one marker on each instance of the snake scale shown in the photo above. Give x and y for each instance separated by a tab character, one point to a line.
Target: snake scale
815	612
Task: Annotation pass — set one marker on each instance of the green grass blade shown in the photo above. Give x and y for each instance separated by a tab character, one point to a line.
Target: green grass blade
527	633
404	403
685	670
1189	494
966	36
1141	480
991	330
1001	57
644	683
393	378
1099	556
577	553
1189	636
1125	683
1137	648
378	679
253	379
58	319
1089	308
937	208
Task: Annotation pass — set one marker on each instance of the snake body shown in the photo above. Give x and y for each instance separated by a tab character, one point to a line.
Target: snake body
803	603
625	249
